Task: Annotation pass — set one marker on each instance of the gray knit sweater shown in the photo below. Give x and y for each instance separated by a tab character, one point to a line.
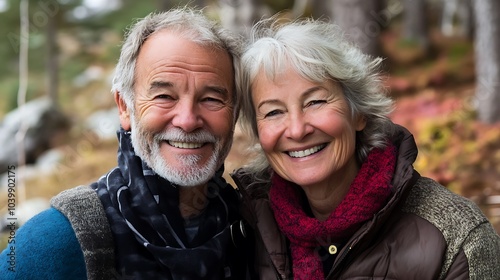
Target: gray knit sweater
462	224
84	210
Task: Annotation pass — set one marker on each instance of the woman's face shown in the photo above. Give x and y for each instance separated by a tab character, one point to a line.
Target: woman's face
305	128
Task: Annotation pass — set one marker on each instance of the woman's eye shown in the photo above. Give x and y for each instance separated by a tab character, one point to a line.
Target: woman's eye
272	113
315	102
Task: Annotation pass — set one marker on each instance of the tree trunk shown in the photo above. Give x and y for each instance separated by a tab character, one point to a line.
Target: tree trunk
51	64
358	18
165	5
21	94
197	3
239	15
466	17
457	18
415	22
321	8
487	44
299	8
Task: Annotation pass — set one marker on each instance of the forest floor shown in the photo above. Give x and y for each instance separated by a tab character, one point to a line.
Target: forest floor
435	101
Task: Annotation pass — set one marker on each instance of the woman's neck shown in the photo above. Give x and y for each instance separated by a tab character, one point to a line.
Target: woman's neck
323	198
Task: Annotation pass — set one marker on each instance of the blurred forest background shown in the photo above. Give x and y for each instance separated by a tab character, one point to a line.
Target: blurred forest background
58	118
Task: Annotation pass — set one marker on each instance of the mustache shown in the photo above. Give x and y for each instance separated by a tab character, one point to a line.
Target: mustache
177	134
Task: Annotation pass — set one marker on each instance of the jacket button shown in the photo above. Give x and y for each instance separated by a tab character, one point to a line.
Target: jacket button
332	249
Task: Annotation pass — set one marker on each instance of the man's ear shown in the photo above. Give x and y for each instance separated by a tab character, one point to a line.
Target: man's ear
123	110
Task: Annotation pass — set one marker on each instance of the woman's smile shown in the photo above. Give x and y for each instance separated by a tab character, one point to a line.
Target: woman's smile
306	152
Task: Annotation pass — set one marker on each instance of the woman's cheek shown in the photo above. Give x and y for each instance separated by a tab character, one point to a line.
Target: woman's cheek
267	138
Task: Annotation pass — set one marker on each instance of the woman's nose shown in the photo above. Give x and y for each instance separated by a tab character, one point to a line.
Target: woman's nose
298	126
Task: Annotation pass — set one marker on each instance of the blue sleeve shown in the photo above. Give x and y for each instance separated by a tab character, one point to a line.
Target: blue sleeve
45	247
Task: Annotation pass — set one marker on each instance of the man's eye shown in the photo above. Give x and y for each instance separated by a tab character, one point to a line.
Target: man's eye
213	104
214	100
164	96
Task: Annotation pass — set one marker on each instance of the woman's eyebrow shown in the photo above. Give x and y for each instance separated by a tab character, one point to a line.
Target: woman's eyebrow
306	93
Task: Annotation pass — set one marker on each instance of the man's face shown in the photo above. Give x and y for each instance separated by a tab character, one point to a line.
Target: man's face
183	121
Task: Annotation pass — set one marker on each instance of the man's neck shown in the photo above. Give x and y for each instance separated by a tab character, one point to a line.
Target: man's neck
192	200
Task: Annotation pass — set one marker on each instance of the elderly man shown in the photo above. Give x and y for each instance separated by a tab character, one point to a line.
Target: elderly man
165	212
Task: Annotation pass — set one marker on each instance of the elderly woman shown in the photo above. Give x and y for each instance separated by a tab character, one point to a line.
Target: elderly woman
334	194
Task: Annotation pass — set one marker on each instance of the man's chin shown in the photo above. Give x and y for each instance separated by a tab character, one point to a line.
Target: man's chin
185	170
192	176
188	181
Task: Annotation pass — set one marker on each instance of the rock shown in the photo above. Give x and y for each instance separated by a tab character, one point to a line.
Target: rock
104	123
92	73
43	122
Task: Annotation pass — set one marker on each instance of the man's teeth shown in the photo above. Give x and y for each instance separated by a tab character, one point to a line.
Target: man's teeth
305	153
185	145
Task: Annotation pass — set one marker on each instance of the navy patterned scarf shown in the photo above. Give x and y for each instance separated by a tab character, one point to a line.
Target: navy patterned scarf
148	229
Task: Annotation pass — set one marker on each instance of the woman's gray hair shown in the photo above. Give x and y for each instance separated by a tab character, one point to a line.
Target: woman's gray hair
188	23
318	51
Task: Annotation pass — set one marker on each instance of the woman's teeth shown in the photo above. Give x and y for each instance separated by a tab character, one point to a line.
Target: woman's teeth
305	153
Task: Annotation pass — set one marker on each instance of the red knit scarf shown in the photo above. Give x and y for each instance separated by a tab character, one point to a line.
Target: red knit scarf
366	196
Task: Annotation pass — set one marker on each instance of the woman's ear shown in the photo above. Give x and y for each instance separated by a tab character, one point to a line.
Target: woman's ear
359	122
123	111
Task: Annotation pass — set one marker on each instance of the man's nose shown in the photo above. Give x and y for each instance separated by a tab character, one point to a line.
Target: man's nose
187	116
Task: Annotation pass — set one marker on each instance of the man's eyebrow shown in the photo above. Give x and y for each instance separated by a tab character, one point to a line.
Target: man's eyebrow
160	85
219	90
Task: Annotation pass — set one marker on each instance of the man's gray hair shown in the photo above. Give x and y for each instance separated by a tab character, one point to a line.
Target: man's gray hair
188	23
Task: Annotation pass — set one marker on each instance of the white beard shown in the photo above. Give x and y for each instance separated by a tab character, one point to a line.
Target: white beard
192	173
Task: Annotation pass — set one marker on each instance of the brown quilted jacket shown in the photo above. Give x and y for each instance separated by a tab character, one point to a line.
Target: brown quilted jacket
424	232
